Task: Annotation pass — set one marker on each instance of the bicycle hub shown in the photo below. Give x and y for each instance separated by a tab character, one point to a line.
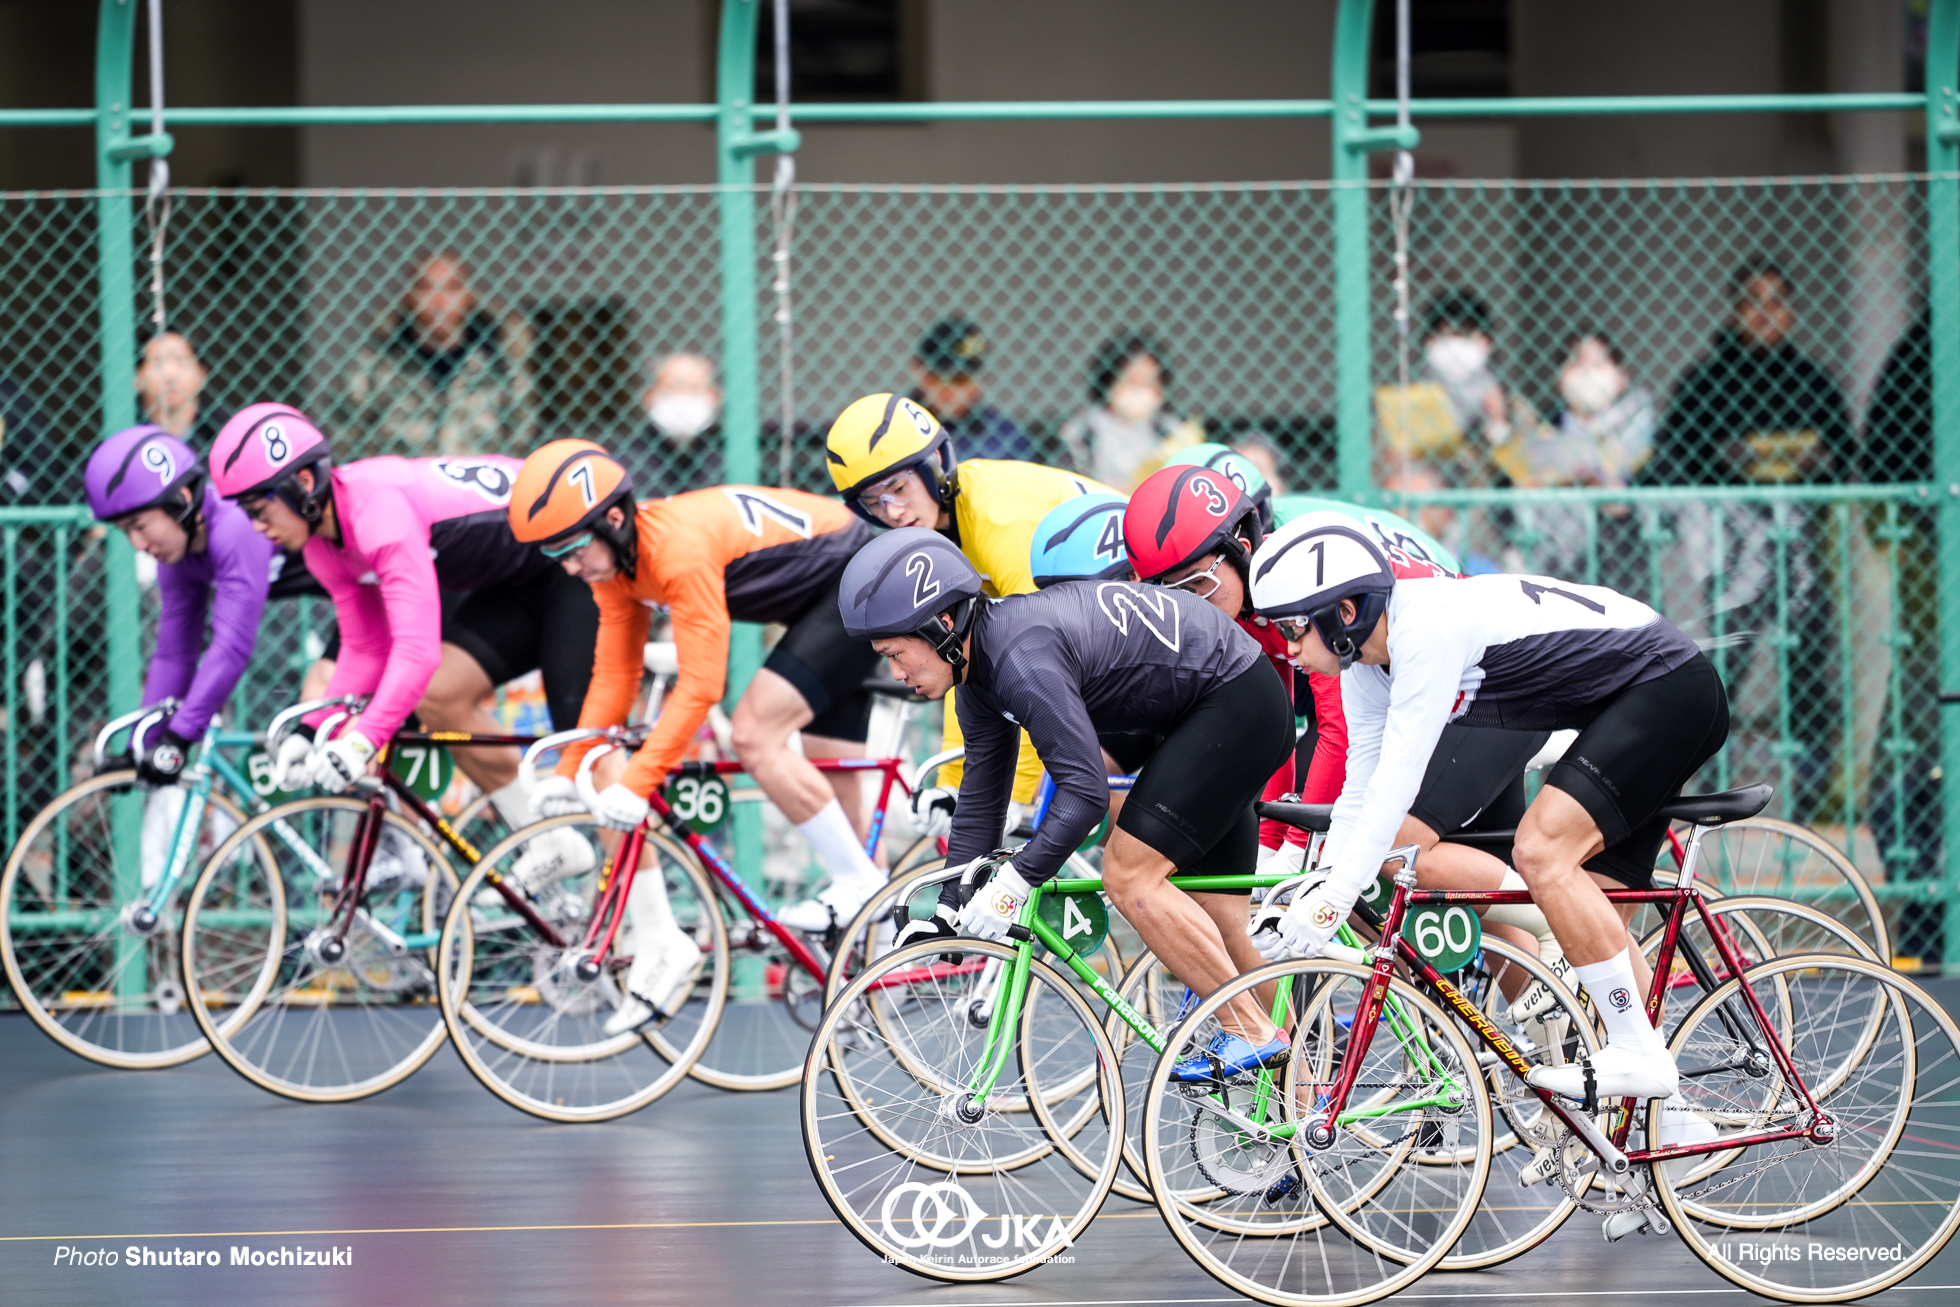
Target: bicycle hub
586	969
141	919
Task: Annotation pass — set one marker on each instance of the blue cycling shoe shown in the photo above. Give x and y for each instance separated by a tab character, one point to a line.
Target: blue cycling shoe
1228	1055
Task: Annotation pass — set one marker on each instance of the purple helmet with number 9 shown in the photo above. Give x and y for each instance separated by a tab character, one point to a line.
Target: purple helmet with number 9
261	448
144	467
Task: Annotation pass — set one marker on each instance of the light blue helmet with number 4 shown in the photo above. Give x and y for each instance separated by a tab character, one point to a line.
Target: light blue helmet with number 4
1081	540
901	582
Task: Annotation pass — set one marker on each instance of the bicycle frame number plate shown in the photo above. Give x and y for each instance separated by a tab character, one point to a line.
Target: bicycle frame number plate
1080	919
258	770
700	801
1446	937
426	769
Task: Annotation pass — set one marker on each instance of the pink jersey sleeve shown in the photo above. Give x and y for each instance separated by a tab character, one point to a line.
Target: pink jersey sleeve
383	584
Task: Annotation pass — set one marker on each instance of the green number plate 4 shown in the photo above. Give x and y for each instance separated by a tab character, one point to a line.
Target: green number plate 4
1080	919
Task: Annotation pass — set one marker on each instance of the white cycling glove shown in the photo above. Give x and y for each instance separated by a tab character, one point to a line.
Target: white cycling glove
620	808
996	905
556	796
292	766
341	761
932	810
1304	928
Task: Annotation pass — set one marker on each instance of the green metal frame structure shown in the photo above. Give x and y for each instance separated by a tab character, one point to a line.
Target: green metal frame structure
742	132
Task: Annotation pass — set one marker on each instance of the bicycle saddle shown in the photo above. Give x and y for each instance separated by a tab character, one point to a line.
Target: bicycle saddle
1305	816
1716	809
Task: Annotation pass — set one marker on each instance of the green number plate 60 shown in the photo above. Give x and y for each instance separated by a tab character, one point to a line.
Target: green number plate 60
1446	937
700	801
1080	919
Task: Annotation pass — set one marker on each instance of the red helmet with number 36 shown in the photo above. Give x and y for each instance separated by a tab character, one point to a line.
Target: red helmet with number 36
1183	513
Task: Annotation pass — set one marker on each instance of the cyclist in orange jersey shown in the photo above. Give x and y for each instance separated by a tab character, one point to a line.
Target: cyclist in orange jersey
712	557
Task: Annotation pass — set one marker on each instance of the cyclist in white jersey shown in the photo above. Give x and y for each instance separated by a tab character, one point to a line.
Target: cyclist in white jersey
1524	653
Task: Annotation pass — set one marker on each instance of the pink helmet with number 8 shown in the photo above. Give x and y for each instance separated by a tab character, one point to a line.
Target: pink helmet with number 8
259	450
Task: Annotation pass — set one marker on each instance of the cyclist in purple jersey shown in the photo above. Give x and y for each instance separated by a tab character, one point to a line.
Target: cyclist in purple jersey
387	537
211	565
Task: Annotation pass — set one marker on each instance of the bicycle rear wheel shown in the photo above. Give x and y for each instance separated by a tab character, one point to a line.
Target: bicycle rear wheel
912	1172
289	1004
1392	1217
1765	856
527	1018
100	978
1823	1219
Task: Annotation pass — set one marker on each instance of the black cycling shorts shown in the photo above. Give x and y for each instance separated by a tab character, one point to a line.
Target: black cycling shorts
504	628
1636	753
1475	779
549	624
828	668
1192	802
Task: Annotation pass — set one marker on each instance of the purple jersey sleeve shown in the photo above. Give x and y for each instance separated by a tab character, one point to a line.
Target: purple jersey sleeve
229	582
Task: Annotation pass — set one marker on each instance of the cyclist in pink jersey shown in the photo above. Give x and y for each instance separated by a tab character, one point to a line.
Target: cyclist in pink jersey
437	602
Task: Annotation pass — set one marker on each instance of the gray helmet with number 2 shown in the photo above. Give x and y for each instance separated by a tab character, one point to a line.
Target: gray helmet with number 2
902	581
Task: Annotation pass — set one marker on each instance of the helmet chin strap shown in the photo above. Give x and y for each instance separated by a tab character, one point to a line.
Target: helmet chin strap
947	643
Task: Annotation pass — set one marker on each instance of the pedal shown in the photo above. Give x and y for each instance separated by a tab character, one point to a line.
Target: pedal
1634	1220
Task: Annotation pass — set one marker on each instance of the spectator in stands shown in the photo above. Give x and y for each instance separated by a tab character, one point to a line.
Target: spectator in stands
1127	432
443	373
679	448
1258	449
1603	436
1754	412
1899	423
1440	520
170	387
1455	410
946	372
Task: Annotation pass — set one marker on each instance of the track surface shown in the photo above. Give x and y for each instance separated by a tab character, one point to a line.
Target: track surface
444	1195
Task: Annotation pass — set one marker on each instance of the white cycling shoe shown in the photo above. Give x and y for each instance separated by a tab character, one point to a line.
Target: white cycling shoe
663	973
835	906
551	857
1679	1125
1615	1072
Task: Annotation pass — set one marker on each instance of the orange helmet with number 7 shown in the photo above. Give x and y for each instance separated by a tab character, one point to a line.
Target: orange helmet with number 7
561	498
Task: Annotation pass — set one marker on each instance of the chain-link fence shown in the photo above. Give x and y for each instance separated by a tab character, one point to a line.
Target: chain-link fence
1761	342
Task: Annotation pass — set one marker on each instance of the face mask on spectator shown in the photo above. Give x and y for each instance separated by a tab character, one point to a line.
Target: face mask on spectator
682	416
1135	403
1456	358
1591	389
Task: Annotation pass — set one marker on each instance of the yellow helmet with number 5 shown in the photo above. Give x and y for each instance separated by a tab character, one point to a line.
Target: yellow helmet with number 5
880	435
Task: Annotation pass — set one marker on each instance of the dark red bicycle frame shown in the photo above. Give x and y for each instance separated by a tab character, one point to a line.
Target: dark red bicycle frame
1361	1034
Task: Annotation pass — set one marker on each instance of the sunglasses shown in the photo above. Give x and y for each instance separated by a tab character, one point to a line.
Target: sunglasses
1191	582
1293	628
893	490
571	546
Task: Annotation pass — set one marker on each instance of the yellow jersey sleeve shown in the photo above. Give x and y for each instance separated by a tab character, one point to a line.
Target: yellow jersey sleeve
1001	502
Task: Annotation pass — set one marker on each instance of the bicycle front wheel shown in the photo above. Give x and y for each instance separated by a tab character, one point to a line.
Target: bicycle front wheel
1840	1214
908	1141
1394	1214
295	995
91	959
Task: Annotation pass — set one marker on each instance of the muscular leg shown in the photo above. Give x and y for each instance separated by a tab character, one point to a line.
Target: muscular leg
770	710
1184	935
1556	836
454	702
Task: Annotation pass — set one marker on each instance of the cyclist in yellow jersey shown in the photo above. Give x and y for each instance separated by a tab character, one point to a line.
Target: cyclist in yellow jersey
895	466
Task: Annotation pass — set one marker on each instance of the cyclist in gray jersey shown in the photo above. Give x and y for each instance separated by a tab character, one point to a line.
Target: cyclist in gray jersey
1525	653
1070	663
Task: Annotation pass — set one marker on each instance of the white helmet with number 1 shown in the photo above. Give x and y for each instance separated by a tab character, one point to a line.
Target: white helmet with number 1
1308	566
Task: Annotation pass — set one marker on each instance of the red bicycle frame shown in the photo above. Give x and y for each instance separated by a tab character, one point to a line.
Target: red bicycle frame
1822	1128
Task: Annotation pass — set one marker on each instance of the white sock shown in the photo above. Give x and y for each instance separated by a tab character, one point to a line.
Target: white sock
837	846
513	805
647	907
1616	997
